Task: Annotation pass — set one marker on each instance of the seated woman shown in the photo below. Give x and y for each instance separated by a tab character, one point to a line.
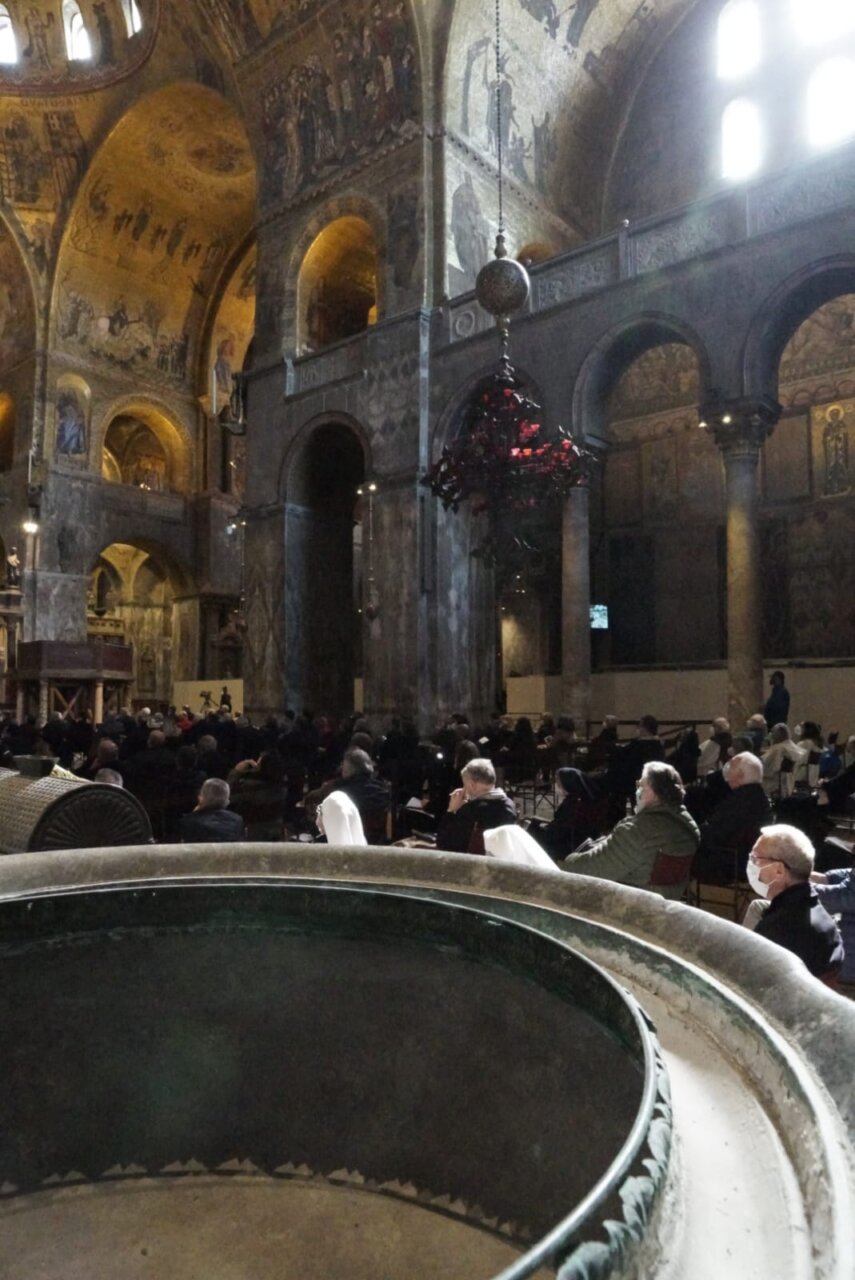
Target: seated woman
576	818
781	748
660	825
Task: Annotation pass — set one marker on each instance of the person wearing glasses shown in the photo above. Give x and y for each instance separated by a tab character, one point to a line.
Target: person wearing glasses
790	912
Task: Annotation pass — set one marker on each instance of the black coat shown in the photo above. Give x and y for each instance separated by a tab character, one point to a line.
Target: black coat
797	920
494	809
211	825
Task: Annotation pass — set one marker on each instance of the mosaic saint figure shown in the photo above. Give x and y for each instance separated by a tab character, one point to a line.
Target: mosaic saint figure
70	424
835	444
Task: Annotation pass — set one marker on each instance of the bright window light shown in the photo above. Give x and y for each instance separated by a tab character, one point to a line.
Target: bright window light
8	43
741	140
817	21
831	102
740	42
133	17
76	36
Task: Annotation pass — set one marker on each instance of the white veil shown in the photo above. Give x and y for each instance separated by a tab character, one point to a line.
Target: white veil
512	844
341	821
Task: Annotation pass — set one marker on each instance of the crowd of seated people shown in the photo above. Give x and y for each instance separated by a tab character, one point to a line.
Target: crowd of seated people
622	802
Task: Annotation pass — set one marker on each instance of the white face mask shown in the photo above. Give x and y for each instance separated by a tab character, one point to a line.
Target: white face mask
759	886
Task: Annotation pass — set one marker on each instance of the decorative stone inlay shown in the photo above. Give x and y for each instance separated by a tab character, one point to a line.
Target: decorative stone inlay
573	279
786	200
675	241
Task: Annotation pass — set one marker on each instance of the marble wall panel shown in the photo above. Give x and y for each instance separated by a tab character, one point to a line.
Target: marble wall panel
622	485
786	460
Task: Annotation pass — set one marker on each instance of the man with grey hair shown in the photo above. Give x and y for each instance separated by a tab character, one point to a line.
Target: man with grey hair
477	806
779	871
734	822
212	820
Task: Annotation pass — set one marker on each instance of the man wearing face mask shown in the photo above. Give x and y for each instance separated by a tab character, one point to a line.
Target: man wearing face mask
660	825
779	870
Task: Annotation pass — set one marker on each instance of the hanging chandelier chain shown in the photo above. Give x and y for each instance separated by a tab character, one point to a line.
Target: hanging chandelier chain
499	112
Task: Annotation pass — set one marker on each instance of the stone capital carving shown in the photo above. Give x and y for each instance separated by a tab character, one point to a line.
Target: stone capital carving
739	427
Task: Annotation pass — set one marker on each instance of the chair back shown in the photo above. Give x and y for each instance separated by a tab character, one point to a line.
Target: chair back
670	871
476	840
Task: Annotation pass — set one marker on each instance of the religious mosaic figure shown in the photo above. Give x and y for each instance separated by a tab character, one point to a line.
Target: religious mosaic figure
835	444
70	424
13	569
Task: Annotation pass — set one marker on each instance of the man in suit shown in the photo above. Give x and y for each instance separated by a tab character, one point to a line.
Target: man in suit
212	820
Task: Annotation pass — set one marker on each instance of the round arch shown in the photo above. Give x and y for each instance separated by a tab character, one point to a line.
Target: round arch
302	438
166	201
613	353
787	307
323	564
171	433
346	206
178	573
449	421
136	587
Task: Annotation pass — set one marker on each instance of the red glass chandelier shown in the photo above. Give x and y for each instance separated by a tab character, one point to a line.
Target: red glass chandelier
501	461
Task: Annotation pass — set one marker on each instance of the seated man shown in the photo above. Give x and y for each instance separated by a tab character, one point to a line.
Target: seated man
836	892
212	820
779	869
479	803
735	821
660	824
714	750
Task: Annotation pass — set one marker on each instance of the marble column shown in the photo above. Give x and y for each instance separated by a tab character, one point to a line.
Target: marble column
98	711
575	609
739	429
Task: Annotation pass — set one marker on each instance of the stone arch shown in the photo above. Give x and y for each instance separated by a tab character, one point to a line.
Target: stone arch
612	355
72	417
784	311
322	564
302	437
346	206
165	203
20	289
168	429
448	422
145	583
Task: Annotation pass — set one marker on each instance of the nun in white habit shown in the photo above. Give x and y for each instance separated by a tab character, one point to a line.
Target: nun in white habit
339	820
513	844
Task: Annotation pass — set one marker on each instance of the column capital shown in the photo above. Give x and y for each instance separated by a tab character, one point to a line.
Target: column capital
740	426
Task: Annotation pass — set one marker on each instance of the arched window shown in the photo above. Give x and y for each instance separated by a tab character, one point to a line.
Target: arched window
76	36
830	102
741	139
739	39
817	21
8	43
133	17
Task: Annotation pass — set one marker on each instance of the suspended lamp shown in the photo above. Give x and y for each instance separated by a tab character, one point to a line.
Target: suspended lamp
501	461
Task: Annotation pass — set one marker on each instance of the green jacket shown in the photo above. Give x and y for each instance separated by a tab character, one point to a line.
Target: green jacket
627	854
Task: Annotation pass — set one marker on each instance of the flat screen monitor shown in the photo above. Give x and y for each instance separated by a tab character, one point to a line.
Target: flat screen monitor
599	617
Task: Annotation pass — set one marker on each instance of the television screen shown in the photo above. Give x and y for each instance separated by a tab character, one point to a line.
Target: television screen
599	617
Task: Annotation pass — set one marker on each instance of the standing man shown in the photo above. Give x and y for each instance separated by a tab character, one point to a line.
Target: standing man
777	708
